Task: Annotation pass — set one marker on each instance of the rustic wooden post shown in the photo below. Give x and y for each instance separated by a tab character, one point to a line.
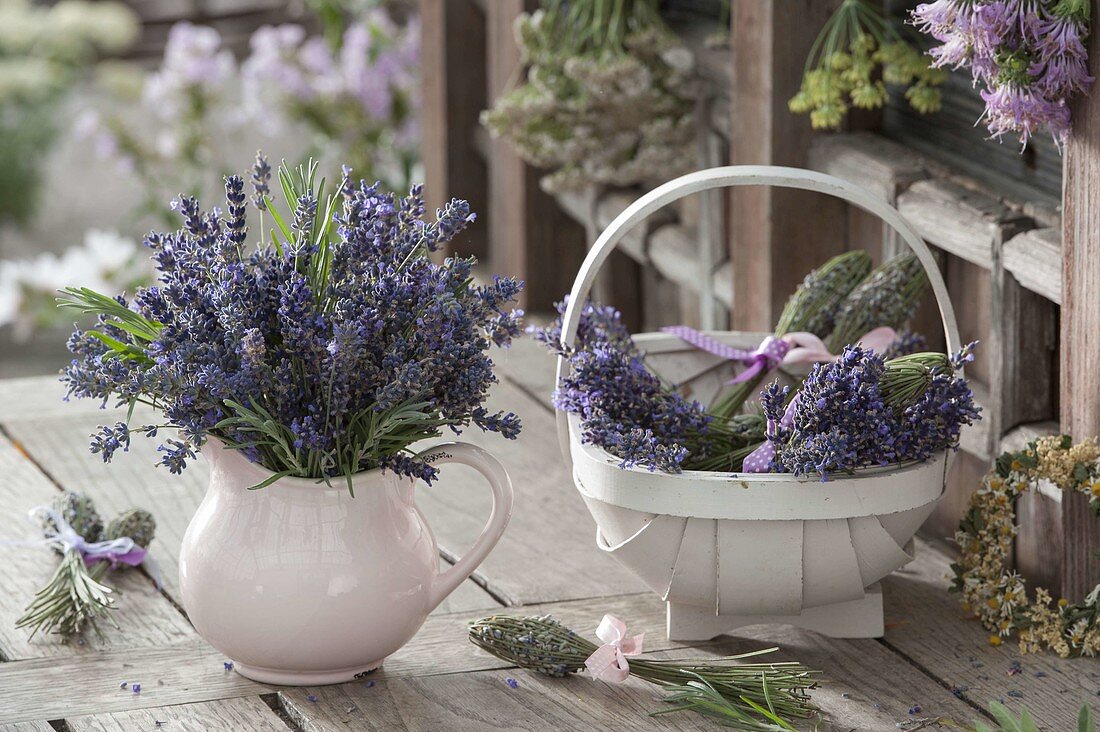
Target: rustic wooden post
1080	383
529	235
453	88
776	236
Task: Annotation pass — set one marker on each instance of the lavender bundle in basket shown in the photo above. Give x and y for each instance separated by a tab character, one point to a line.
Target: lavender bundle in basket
862	411
629	411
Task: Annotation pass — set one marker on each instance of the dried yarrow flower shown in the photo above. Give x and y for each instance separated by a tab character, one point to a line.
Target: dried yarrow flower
608	96
856	55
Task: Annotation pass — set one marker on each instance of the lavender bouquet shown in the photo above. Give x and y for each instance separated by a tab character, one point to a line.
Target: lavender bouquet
629	411
326	349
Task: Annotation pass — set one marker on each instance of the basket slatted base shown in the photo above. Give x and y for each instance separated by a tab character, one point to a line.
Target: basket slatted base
860	618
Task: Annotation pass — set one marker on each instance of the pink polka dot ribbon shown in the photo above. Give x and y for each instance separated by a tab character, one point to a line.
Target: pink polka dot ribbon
768	355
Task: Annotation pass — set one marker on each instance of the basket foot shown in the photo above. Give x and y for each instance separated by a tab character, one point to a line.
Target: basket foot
860	618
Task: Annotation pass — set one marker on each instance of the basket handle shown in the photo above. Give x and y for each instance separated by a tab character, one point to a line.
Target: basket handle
743	175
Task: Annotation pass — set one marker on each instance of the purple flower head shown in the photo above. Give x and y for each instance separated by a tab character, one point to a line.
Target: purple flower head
1029	56
624	407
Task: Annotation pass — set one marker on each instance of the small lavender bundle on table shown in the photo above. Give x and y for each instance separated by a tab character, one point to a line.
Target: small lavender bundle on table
76	596
759	697
324	349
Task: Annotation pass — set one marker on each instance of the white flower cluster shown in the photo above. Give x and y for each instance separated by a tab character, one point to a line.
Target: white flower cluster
998	595
613	117
105	262
40	45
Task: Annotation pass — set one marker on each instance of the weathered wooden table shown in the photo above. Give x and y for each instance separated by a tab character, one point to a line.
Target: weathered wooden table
933	663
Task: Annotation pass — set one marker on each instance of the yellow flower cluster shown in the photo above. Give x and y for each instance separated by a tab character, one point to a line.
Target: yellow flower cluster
857	54
996	594
846	79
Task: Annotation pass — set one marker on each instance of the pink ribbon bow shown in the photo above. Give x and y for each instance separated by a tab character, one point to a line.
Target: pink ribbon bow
608	662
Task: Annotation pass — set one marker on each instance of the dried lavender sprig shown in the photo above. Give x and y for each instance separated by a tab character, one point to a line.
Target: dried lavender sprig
811	308
888	297
74	598
543	645
816	300
700	696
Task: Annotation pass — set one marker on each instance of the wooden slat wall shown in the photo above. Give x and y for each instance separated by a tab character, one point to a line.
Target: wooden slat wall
453	52
1080	321
529	235
771	229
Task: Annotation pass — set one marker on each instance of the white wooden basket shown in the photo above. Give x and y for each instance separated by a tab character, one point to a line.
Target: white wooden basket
732	549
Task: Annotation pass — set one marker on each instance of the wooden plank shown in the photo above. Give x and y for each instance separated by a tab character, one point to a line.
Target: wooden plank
40	396
245	713
1080	382
866	686
530	237
1024	334
772	228
672	248
193	671
1035	259
145	617
453	95
880	166
958	220
928	626
174	673
37	726
483	701
868	160
550	519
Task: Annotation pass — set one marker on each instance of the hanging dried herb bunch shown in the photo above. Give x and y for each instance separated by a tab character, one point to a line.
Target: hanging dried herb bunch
608	96
853	59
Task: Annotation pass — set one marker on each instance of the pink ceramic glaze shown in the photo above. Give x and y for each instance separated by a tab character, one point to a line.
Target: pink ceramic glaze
300	583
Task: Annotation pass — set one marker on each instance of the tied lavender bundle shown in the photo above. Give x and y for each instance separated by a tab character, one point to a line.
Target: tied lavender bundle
76	596
326	350
1030	58
629	411
862	411
841	301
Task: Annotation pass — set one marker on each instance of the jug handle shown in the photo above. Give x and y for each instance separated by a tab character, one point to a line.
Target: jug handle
501	486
